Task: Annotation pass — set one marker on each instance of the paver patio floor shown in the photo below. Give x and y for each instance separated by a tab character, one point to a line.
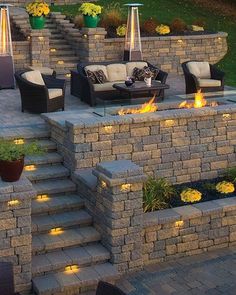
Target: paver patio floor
211	273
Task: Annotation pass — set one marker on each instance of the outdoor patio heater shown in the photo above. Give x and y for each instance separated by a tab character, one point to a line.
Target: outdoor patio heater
133	47
6	52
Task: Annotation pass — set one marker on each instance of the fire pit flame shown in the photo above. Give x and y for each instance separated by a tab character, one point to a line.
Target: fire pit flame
199	102
147	107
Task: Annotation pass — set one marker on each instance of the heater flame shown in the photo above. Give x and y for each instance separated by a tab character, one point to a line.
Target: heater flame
4	32
147	107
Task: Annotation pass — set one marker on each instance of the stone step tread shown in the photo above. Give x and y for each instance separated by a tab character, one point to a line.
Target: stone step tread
87	177
54	186
57	41
47	144
58	260
62	47
65	65
68	238
63	220
84	277
46	158
56	203
48	172
65	58
37	131
62	52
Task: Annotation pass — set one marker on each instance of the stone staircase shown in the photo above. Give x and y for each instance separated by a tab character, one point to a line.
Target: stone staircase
67	256
62	57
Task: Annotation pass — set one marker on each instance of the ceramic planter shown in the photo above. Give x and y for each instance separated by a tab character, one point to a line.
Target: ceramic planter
11	170
91	21
37	22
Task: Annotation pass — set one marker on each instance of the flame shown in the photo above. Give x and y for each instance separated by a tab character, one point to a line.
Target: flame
147	107
199	102
3	31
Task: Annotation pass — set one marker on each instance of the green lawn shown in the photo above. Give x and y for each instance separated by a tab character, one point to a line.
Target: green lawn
165	11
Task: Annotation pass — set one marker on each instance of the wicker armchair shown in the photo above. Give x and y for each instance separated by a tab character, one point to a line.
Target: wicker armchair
202	75
7	279
82	87
44	98
108	289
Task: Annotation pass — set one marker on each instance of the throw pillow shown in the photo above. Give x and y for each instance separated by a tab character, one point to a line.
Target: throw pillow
92	77
100	76
139	74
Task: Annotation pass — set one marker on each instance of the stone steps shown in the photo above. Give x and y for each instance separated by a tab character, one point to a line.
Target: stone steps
45	159
65	52
57	203
54	186
45	242
74	282
58	260
47	172
65	58
63	220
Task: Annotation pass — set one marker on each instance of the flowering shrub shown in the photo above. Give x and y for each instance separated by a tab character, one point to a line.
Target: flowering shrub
90	9
225	187
121	30
163	29
190	195
38	8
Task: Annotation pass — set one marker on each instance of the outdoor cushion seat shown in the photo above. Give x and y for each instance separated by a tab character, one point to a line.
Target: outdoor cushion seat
82	85
40	93
43	70
209	83
54	92
200	75
108	86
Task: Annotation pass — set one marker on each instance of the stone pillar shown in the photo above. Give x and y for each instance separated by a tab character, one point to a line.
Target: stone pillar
119	212
92	46
39	48
15	230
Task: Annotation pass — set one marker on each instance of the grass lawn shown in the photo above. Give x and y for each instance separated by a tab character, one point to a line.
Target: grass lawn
166	11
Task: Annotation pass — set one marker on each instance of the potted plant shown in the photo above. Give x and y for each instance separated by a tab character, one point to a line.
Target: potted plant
12	158
91	13
37	11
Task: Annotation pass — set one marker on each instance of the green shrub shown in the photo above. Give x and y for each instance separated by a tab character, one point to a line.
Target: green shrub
230	174
9	151
157	194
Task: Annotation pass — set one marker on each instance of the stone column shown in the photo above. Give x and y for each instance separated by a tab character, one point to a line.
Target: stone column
15	230
119	212
39	48
92	46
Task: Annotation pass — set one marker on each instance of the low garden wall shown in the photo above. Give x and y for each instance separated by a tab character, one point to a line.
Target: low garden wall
21	51
56	2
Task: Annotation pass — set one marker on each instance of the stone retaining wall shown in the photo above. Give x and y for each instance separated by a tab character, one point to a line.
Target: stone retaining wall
182	145
21	51
189	230
15	230
56	2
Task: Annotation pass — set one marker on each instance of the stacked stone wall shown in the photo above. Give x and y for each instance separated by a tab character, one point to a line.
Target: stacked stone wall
15	230
21	54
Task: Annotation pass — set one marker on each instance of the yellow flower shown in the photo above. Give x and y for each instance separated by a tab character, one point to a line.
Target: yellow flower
197	28
225	187
38	8
190	195
163	29
90	9
121	30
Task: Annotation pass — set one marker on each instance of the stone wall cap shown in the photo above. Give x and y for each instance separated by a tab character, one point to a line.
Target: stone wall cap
87	177
23	184
208	207
227	204
188	212
119	169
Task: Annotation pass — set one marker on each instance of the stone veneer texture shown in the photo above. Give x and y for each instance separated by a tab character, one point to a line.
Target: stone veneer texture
182	145
15	230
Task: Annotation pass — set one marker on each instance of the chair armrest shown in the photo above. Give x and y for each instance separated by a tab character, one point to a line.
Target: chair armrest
162	76
52	82
216	73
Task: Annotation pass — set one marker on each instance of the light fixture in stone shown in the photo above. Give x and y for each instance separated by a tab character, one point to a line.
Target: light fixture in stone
19	141
6	53
56	231
133	47
169	123
125	187
179	223
69	269
13	203
30	168
60	62
43	198
108	128
103	184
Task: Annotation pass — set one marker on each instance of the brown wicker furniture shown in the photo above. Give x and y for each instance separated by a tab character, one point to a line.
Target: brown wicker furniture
202	75
82	87
140	87
105	288
43	97
7	279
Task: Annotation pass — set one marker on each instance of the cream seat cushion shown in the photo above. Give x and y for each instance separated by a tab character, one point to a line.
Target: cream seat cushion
34	77
199	69
209	83
116	72
42	70
54	92
94	68
135	64
108	86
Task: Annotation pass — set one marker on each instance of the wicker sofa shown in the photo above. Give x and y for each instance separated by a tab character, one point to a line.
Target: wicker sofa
202	75
40	93
116	72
